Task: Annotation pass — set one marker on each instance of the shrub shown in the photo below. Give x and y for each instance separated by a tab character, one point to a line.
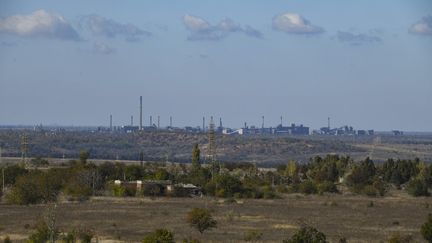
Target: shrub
252	235
35	187
201	219
307	234
69	237
308	187
42	233
370	191
7	240
426	229
327	186
118	191
397	238
152	190
85	235
190	240
159	236
417	188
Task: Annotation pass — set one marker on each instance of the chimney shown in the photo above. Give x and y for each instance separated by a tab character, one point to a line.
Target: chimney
141	116
111	127
203	125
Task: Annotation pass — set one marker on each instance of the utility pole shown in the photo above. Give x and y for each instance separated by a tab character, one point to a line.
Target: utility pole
3	172
51	218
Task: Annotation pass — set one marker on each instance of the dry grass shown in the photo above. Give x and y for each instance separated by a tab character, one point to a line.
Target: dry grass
128	220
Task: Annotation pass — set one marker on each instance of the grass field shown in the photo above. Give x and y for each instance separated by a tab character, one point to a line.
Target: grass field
358	218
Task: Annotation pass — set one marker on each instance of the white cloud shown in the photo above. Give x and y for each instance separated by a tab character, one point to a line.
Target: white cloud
39	24
101	48
295	24
194	23
200	29
101	26
422	27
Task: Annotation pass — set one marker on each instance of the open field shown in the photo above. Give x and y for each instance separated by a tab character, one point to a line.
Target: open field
128	220
177	146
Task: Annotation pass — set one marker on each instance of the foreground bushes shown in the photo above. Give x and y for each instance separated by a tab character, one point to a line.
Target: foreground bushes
307	234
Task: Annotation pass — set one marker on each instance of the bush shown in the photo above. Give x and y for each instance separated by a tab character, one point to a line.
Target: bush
118	191
159	236
190	240
426	229
307	234
85	235
42	233
252	235
7	240
327	186
370	191
397	238
35	187
308	187
152	190
201	219
417	188
69	237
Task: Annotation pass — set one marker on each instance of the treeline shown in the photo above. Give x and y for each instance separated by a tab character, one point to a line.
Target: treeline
331	174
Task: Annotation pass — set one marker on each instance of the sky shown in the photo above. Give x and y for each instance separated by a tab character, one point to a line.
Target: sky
366	64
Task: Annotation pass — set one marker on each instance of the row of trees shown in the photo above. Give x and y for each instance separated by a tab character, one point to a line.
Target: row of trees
82	179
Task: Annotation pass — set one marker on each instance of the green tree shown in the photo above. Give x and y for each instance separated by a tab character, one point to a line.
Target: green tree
307	234
159	236
201	219
41	235
417	188
426	229
7	240
83	156
196	157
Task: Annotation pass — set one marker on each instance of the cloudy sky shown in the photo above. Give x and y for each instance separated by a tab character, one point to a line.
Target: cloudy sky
363	63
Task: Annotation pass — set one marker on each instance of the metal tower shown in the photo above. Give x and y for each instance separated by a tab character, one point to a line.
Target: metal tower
24	148
215	167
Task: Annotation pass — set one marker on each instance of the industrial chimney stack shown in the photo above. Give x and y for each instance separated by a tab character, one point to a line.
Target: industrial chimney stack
141	127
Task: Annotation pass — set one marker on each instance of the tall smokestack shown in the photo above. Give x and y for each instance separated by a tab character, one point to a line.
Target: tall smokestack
141	127
131	121
170	121
203	126
151	120
111	128
220	122
158	122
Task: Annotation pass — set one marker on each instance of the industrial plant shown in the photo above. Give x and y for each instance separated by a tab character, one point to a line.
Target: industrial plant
279	129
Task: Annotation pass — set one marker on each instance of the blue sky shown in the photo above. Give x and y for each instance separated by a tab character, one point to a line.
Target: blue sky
363	63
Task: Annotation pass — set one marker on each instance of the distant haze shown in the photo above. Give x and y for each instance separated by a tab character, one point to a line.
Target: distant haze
367	64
